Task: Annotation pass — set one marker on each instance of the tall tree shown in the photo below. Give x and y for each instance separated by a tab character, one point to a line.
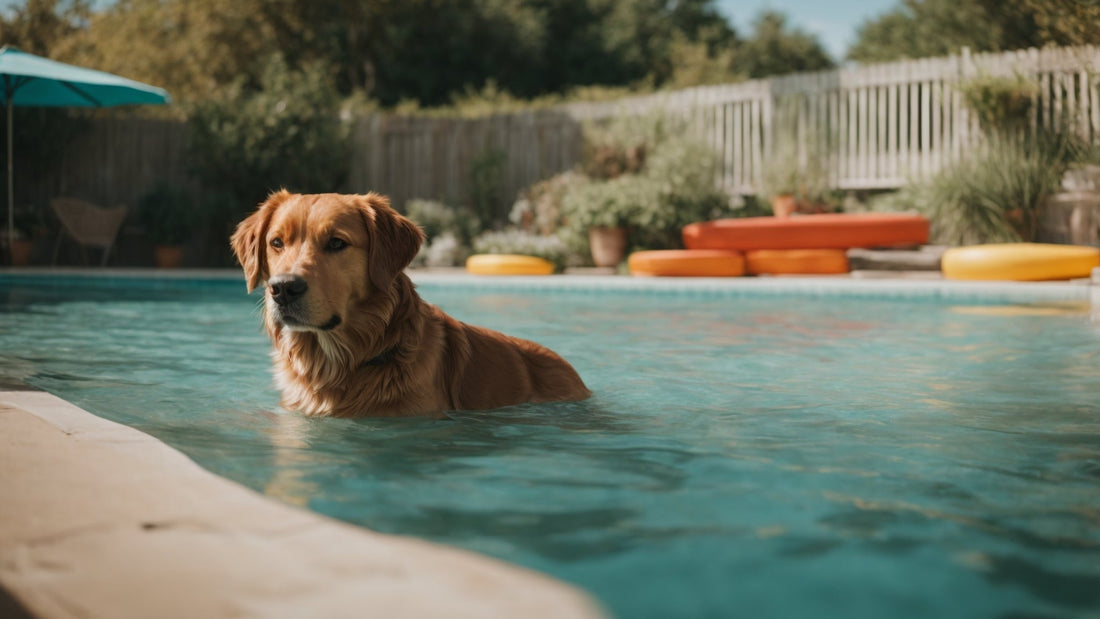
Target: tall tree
921	28
776	49
192	48
428	51
39	25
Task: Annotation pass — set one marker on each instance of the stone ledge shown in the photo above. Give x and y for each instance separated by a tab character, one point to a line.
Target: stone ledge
926	258
101	520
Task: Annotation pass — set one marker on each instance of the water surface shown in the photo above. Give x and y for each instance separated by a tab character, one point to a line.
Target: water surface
758	456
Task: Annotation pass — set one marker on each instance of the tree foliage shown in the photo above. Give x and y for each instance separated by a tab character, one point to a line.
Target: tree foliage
192	48
922	28
38	24
424	51
284	132
775	49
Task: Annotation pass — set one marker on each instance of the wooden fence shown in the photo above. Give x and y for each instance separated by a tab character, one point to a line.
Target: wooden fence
411	157
886	124
114	161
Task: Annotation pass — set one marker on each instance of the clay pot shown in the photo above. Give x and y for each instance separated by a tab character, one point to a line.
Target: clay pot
168	256
608	246
784	205
21	250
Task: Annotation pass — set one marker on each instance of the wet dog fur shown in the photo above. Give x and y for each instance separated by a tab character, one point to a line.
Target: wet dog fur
351	336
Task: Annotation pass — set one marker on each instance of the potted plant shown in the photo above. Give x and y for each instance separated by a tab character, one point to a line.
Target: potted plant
168	215
28	225
603	211
794	179
795	175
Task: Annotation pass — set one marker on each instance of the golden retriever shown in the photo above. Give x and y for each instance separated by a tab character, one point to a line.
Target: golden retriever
351	336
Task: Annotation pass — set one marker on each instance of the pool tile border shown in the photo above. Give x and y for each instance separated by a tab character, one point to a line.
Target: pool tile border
891	286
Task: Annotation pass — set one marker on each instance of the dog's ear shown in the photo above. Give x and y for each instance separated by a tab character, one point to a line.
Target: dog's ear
394	240
248	240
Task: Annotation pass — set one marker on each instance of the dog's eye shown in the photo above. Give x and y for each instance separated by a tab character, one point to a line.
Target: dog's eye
277	243
335	244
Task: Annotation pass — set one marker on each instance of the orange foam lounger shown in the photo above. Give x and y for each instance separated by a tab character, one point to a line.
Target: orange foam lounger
1020	261
796	262
508	264
687	263
828	231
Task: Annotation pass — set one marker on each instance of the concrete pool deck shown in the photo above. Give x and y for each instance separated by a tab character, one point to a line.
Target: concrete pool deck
101	520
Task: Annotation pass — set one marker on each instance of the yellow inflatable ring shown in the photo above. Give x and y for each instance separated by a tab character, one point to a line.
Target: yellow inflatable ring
1020	262
508	264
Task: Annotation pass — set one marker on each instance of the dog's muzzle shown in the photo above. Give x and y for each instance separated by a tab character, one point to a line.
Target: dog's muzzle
286	289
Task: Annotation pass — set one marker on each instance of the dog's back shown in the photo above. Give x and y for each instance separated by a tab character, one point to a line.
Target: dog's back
489	369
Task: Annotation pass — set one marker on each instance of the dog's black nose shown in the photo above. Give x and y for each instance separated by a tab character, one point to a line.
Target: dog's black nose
286	289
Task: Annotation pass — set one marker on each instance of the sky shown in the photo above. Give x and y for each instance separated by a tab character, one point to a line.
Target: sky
833	21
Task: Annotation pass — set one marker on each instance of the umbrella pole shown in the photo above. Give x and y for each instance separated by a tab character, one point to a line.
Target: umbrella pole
11	193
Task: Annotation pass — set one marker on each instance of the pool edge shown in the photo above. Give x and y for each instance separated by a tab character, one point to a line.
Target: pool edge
101	519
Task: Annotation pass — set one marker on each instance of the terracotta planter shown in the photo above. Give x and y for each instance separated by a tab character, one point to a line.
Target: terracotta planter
168	256
608	246
784	205
21	250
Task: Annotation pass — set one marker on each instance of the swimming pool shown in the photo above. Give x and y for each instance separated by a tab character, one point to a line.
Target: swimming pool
747	454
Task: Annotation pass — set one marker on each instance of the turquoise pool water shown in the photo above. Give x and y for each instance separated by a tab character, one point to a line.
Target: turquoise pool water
757	456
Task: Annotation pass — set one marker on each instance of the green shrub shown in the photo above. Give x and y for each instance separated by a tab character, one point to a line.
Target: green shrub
684	171
486	178
539	208
445	250
515	241
615	203
621	144
675	188
996	193
1000	102
249	141
448	229
168	214
437	219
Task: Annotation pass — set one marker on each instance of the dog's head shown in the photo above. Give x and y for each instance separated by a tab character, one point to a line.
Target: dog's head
321	255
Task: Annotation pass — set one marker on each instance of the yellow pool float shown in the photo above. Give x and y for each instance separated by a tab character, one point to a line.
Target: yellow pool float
1020	261
508	264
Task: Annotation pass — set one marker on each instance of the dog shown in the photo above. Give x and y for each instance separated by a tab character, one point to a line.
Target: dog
351	336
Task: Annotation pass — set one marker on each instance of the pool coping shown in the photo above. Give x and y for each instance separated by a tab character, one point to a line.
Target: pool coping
865	284
102	520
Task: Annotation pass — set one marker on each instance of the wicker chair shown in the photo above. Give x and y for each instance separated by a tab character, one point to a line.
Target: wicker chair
89	225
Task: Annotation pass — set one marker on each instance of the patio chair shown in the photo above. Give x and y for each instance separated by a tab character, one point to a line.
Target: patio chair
89	225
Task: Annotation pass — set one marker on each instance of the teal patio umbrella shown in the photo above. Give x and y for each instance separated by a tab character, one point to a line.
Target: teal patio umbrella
36	81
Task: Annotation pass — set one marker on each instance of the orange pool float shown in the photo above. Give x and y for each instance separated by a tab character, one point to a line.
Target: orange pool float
827	231
687	263
796	261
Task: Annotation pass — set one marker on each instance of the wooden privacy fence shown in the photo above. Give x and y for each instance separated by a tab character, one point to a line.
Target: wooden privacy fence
414	157
884	125
115	161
